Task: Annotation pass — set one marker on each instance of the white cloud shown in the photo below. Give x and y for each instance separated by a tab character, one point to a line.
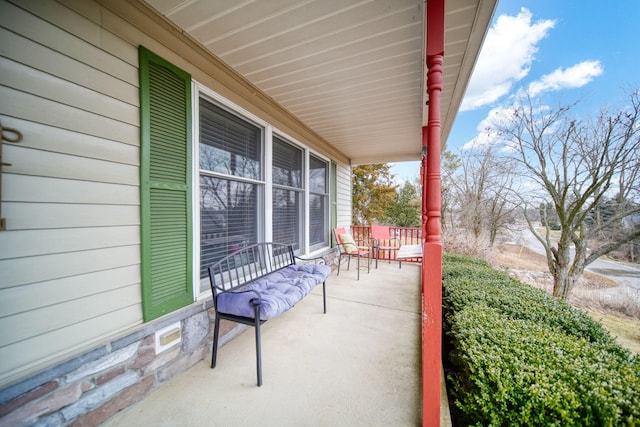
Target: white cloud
508	51
502	117
573	77
496	118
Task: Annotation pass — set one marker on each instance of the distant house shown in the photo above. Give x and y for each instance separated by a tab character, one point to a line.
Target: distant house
159	136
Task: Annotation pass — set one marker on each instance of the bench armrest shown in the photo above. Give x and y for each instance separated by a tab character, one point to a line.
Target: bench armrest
256	301
314	260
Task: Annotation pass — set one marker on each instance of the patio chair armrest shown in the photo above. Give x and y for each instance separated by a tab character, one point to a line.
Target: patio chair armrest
360	243
376	242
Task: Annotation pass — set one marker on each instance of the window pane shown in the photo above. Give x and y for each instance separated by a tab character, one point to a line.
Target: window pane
287	217
228	144
287	164
318	202
318	234
317	175
287	203
228	218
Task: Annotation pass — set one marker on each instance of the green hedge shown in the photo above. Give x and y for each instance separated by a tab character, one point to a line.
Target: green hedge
518	356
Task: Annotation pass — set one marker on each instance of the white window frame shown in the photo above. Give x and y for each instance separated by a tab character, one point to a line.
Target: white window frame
304	247
327	210
265	225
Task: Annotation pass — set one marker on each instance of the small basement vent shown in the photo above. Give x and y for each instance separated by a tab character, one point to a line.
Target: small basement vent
168	337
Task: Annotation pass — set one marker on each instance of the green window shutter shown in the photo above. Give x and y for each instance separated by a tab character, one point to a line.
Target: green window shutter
165	186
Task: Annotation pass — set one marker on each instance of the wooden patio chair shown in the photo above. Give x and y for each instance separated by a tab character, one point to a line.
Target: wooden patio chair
350	248
382	241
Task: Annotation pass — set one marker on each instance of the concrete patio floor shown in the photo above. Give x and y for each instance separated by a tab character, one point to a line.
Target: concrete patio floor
357	365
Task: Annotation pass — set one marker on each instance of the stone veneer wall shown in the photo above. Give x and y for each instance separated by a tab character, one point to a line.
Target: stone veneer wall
89	389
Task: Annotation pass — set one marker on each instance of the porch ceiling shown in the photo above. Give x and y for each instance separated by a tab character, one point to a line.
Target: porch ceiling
352	70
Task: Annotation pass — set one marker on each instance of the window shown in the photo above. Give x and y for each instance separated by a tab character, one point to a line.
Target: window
318	202
288	213
230	183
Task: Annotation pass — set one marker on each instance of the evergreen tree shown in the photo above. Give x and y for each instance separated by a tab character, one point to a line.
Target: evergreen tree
405	211
373	193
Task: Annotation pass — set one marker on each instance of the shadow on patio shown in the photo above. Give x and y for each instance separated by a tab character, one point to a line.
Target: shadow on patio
357	365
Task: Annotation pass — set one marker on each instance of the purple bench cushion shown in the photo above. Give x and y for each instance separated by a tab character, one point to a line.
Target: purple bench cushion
278	291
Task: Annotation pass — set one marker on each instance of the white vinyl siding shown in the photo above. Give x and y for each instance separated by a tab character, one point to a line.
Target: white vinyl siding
68	191
344	195
69	260
17	272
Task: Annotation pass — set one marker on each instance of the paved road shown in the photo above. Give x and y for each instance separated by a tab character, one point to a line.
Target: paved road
623	274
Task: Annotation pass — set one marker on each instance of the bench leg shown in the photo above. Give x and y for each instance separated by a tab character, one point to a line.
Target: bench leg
324	297
256	309
214	349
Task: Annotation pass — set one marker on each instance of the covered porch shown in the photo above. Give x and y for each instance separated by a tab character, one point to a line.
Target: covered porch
336	83
359	364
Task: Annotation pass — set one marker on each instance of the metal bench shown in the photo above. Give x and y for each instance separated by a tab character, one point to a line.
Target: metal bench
258	283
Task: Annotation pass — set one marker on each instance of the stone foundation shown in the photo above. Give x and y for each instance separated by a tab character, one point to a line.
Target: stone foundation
90	388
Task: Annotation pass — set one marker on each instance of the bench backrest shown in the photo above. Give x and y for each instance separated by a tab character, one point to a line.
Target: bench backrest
248	264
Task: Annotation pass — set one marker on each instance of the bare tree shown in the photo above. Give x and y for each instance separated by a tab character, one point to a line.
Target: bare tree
482	189
450	164
575	165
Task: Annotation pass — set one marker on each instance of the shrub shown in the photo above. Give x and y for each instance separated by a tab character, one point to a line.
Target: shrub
468	281
521	357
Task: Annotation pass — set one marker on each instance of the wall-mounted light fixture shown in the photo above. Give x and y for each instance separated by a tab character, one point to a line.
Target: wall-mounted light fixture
13	136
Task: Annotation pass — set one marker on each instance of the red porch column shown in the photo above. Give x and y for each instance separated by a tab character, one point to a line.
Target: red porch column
431	202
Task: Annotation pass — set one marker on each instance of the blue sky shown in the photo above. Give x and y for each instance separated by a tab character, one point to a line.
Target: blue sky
561	50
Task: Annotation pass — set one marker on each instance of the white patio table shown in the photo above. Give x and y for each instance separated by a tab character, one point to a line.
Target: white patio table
409	251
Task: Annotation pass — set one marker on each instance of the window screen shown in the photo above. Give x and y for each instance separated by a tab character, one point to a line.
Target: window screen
228	144
318	202
230	163
287	194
